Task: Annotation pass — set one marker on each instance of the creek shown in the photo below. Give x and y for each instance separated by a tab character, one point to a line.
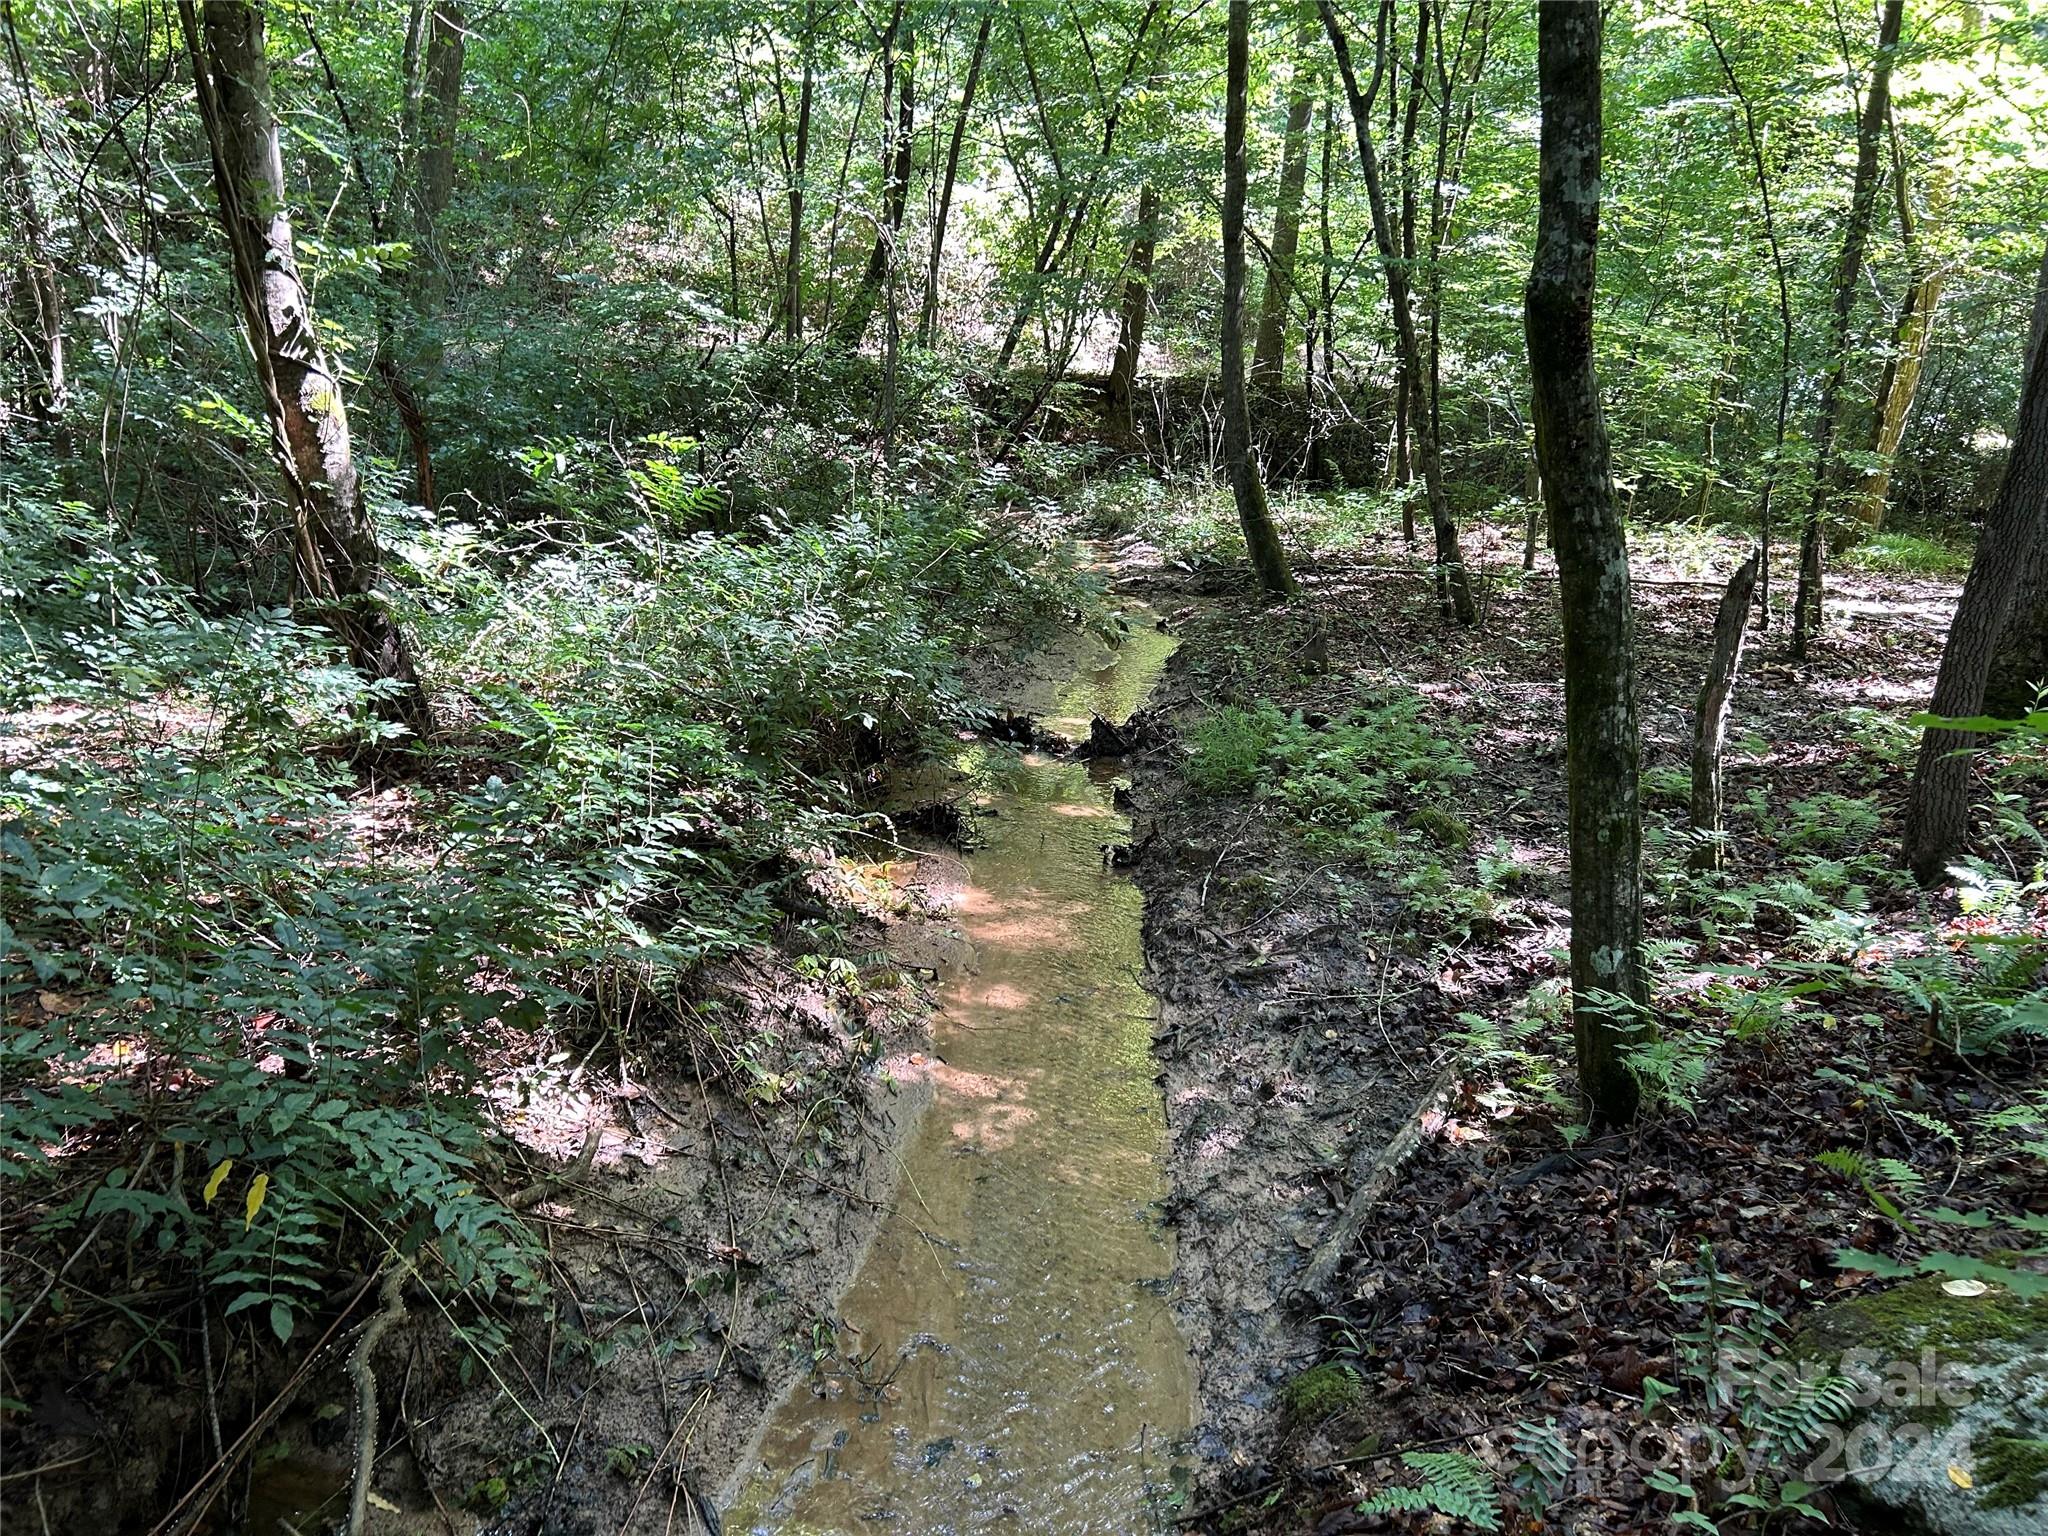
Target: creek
1010	1357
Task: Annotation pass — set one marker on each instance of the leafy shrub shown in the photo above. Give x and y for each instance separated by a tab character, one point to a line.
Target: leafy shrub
1229	748
264	1041
1893	553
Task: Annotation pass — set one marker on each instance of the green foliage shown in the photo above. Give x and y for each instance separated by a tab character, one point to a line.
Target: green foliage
273	1031
1228	748
1907	554
1750	1403
1452	1484
213	972
1320	1392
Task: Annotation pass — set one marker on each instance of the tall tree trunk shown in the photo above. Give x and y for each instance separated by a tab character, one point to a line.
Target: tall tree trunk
334	546
1319	362
1710	715
793	259
1130	325
2019	667
1806	604
1910	339
1454	589
1449	173
46	388
2014	541
1261	539
1071	208
1269	350
440	115
852	323
928	317
1602	747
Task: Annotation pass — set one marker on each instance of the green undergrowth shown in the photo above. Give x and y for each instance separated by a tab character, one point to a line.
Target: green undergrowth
1895	553
1375	790
266	1017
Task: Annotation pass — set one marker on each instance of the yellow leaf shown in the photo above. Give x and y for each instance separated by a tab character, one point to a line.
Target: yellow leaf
378	1501
214	1179
258	1188
1959	1477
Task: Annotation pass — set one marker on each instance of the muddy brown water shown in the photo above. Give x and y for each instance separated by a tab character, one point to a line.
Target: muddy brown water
1012	1359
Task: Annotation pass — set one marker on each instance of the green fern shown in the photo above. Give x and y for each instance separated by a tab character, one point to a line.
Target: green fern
1452	1484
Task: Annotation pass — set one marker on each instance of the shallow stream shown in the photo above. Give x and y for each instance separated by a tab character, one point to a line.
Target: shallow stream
1018	1364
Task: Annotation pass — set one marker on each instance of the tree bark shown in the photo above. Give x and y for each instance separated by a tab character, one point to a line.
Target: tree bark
334	546
1454	589
441	112
1710	715
793	260
1602	747
2019	667
1910	338
852	323
1261	539
1269	349
928	316
2012	542
47	390
1806	603
1130	327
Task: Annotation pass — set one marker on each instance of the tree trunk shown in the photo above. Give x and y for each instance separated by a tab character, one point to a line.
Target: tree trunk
1602	747
1070	210
334	547
793	260
1320	368
1454	589
1806	603
1910	339
1710	713
928	317
1532	498
46	390
2019	667
1130	327
2013	540
1261	539
441	112
852	323
1269	350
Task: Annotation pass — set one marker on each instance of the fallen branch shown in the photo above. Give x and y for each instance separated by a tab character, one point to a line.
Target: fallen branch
1370	1186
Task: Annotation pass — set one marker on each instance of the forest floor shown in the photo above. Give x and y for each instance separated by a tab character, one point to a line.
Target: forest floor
716	1183
1314	1003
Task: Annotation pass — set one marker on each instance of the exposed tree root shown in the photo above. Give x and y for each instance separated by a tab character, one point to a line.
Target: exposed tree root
390	1312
